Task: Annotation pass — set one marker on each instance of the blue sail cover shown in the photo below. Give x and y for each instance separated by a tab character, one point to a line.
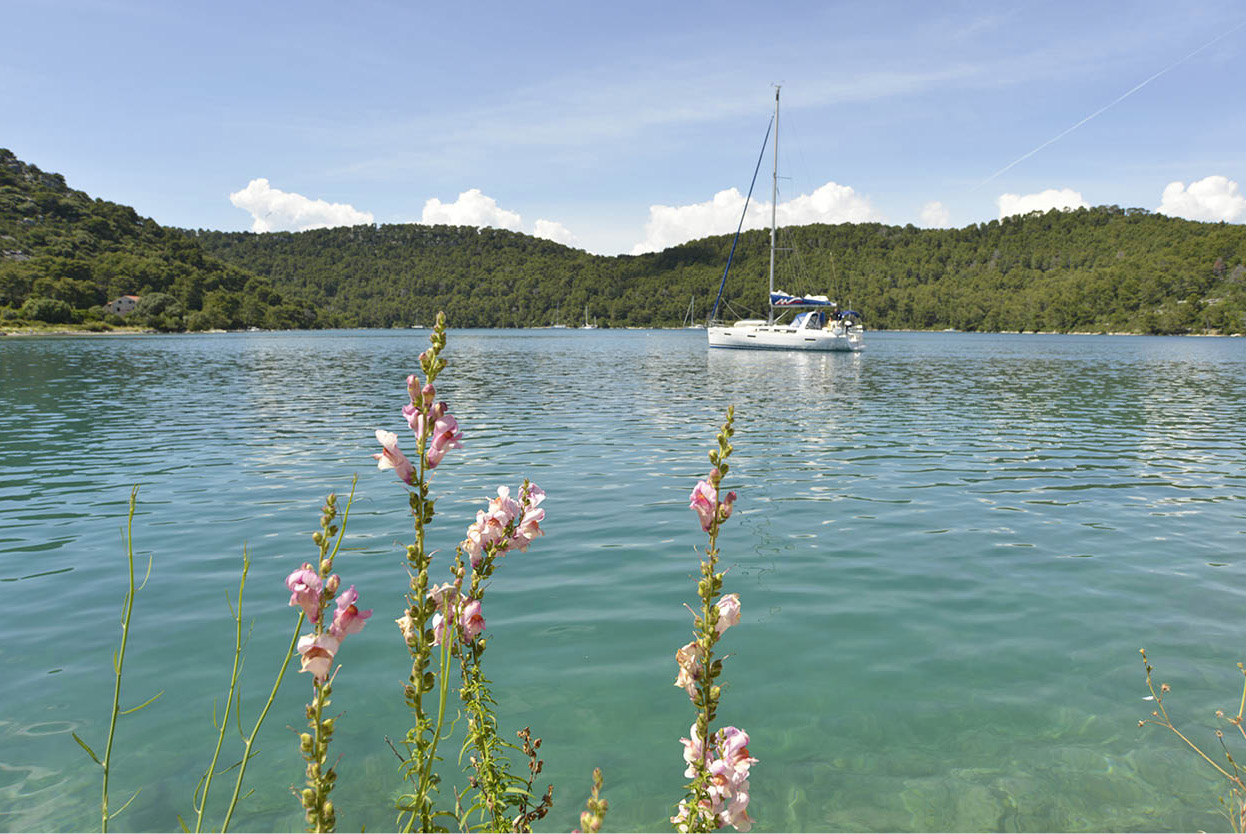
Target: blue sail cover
782	299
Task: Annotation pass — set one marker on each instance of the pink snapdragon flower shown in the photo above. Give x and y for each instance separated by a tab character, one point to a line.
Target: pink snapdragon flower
727	761
704	499
728	612
445	436
504	508
733	747
517	522
692	751
467	616
471	621
317	652
531	495
529	528
413	417
305	587
446	597
439	628
690	659
417	419
431	421
483	533
438	593
406	624
348	619
392	457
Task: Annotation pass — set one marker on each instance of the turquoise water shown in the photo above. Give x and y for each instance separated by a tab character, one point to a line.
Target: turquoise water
949	549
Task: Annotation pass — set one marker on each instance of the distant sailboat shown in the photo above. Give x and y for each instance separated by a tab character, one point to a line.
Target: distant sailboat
690	319
588	326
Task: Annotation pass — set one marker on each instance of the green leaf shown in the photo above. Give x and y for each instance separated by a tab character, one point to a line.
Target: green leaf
117	813
87	748
140	706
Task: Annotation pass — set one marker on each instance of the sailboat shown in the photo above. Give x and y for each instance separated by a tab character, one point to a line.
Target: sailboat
586	325
690	319
822	326
557	324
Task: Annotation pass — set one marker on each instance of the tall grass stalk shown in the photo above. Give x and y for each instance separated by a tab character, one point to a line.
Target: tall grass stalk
206	781
118	665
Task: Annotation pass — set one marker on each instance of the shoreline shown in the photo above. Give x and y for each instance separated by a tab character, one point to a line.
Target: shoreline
65	330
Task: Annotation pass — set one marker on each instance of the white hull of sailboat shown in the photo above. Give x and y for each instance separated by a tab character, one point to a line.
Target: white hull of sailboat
749	336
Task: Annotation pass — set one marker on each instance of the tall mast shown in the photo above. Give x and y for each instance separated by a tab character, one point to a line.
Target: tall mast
774	201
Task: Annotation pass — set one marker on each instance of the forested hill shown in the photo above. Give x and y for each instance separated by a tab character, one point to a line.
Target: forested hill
63	254
1103	268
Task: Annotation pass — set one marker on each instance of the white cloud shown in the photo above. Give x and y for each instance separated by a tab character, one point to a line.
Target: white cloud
1211	198
1065	198
274	210
672	225
472	208
555	231
935	215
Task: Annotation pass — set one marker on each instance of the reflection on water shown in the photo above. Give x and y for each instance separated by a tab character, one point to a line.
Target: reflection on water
949	548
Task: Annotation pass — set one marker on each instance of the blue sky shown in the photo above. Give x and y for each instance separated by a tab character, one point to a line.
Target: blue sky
625	127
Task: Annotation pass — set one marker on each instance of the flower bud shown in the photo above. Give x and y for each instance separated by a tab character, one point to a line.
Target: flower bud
318	537
429	393
332	584
309	797
305	742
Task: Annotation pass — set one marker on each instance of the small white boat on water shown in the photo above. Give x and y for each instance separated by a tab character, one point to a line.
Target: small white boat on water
690	319
822	326
586	325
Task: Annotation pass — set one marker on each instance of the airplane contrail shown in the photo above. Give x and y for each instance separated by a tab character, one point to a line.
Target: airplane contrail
1110	104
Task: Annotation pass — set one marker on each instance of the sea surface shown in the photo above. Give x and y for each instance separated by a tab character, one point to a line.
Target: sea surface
949	549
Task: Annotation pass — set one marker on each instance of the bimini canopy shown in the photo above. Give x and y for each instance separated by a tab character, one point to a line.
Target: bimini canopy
782	299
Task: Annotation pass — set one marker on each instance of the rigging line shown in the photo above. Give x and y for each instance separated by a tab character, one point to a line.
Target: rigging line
722	285
1113	103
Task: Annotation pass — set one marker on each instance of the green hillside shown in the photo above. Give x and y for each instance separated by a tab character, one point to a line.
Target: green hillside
63	254
1092	269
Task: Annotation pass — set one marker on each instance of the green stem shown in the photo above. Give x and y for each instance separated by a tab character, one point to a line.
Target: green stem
246	752
444	689
317	778
233	688
120	658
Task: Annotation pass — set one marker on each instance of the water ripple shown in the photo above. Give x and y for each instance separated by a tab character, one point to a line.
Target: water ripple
949	549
